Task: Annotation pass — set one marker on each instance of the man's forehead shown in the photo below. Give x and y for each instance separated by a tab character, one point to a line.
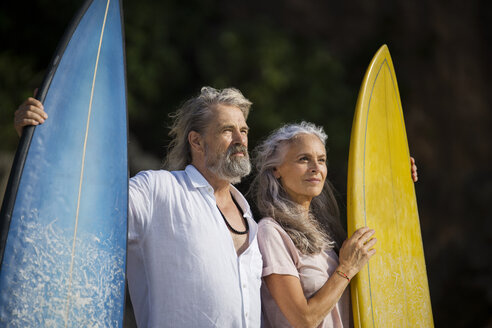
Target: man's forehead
228	113
225	108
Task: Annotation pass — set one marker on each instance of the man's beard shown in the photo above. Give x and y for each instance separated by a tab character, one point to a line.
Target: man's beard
228	167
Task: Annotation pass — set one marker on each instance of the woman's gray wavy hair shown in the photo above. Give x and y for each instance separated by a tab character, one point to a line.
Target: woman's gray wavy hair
194	115
322	228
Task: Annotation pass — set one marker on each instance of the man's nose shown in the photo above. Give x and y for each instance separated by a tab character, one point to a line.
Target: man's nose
239	138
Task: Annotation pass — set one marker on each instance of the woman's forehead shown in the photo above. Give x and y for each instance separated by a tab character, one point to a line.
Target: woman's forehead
304	142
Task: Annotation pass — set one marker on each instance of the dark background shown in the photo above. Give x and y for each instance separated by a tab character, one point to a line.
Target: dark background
304	60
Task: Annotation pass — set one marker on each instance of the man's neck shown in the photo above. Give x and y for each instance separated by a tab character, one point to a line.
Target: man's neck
221	187
223	198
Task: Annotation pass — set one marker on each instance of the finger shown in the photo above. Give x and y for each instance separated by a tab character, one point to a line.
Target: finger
367	233
413	169
23	115
370	243
32	101
34	115
366	236
38	111
359	232
35	102
371	252
28	108
26	122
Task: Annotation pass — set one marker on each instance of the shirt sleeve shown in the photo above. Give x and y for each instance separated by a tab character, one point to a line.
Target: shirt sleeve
140	205
277	249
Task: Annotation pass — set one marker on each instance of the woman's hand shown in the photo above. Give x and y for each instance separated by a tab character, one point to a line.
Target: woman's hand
30	112
356	251
287	291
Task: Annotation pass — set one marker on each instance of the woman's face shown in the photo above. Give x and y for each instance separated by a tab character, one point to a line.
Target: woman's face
302	172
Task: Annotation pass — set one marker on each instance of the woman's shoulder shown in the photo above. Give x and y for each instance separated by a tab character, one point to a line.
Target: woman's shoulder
268	223
268	227
274	241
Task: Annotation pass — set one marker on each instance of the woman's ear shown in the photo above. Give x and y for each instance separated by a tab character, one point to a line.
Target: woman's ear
276	173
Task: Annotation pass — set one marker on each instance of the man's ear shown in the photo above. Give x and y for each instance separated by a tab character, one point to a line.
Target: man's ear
196	142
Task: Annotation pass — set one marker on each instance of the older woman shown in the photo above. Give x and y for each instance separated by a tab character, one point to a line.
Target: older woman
305	271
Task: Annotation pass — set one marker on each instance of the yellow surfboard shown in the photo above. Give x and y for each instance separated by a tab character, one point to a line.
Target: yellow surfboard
392	290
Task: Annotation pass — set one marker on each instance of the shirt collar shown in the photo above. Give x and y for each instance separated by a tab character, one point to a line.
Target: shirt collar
199	181
196	178
241	201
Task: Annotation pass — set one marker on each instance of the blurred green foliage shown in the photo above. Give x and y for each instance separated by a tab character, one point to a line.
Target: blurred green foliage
175	48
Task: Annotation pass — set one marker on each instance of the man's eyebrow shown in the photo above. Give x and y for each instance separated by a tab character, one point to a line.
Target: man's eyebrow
225	126
231	126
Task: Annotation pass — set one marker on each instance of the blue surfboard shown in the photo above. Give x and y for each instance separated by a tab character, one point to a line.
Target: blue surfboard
63	222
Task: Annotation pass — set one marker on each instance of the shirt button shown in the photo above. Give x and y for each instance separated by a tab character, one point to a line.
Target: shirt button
246	314
244	285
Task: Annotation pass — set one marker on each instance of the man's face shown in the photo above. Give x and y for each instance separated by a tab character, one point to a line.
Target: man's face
226	144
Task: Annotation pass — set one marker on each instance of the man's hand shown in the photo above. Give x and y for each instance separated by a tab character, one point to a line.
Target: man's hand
415	176
30	112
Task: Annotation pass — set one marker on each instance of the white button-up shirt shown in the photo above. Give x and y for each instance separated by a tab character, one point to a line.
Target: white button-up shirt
183	270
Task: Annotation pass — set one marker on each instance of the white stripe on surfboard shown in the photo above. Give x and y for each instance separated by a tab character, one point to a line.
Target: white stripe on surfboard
67	308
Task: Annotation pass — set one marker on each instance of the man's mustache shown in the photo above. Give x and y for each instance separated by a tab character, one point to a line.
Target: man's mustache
237	149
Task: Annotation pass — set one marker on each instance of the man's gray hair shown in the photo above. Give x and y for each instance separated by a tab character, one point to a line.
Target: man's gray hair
194	115
322	229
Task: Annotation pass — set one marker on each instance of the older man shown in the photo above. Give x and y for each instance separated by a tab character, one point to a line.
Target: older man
193	258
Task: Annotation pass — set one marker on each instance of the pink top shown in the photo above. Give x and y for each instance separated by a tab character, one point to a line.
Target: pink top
280	256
